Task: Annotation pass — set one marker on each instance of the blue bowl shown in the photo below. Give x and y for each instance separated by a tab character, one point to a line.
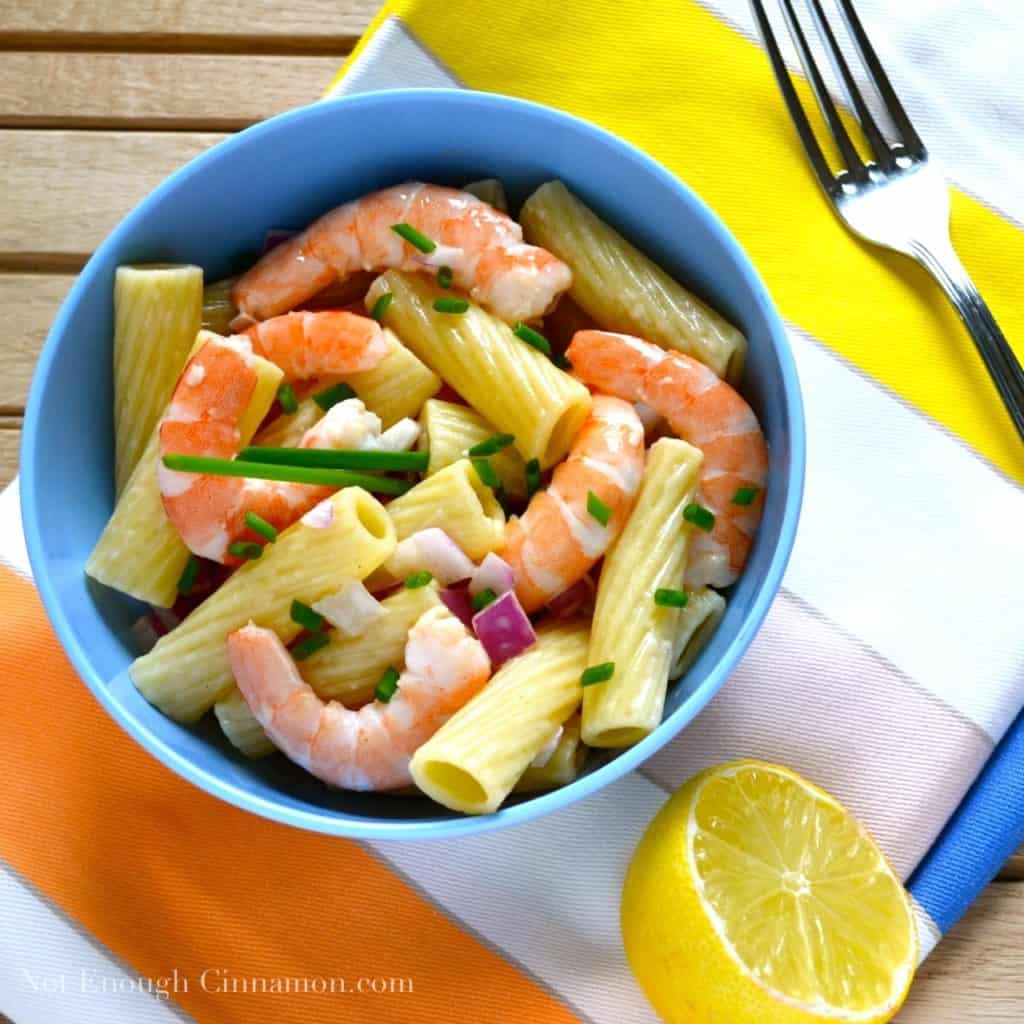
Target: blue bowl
283	173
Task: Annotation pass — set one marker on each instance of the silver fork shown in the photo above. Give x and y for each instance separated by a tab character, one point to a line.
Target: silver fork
899	200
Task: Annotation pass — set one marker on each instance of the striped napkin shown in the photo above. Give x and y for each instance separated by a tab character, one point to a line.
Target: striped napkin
889	670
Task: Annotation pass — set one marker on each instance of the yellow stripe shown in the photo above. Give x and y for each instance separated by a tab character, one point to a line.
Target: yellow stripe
701	99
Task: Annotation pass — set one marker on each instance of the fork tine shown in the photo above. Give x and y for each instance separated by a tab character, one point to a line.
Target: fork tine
879	146
796	110
910	138
821	93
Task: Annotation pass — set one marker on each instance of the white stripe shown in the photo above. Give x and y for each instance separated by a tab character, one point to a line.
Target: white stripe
52	973
957	72
908	541
546	894
928	934
394	59
12	539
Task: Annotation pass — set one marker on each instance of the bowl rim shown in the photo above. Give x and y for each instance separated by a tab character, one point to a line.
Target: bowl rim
543	803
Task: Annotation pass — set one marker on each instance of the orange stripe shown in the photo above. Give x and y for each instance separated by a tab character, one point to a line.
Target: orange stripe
168	877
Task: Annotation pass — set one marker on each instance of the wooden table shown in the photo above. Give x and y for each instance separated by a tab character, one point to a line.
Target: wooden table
101	99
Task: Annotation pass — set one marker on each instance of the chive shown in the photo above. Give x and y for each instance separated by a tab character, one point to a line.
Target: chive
259	525
310	645
387	685
337	458
380	307
415	238
188	577
446	305
701	517
561	362
330	397
286	398
598	509
444	277
745	495
532	477
417	580
485	471
534	338
290	474
492	445
483	598
597	673
671	598
245	549
308	619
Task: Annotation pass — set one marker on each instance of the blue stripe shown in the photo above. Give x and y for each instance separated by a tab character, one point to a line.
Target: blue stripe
984	832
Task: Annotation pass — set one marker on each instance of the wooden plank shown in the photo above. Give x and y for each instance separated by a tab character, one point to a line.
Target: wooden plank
299	26
1014	868
974	977
10	438
65	190
29	303
200	92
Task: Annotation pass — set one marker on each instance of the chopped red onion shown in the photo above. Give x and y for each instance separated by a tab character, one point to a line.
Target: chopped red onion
399	437
320	516
548	750
351	608
570	601
459	603
493	573
275	236
504	629
431	550
166	619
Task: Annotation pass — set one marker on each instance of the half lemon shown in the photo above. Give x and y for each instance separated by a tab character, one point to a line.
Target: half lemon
755	897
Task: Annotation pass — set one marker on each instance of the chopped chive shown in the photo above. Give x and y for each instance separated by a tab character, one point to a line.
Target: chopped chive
286	398
304	616
415	238
699	516
380	307
417	580
245	549
745	495
597	673
290	474
330	397
561	362
444	277
188	577
338	458
485	471
483	598
533	338
259	525
310	645
491	446
446	305
668	598
387	685
532	477
598	509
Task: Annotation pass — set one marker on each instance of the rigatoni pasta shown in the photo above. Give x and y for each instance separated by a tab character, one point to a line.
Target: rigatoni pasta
450	430
139	552
561	768
697	624
632	630
511	384
474	761
187	672
623	289
157	312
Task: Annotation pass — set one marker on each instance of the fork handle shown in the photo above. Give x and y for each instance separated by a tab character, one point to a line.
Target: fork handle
940	259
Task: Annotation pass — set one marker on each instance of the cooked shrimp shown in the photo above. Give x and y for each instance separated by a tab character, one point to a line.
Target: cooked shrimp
704	410
328	342
483	247
212	393
558	539
368	748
